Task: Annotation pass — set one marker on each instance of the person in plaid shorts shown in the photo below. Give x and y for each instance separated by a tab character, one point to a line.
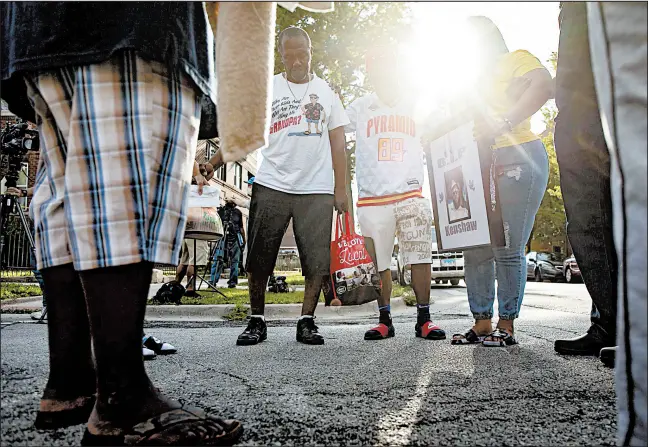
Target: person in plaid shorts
120	93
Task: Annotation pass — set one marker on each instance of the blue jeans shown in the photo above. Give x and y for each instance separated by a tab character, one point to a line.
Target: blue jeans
522	175
233	258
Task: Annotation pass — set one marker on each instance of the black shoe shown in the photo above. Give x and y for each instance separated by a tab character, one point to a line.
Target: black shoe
307	332
231	286
607	356
256	332
587	344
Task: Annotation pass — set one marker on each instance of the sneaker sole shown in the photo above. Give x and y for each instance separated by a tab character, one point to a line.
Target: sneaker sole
250	342
310	343
575	352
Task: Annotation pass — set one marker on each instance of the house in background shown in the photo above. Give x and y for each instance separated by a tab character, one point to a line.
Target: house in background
232	180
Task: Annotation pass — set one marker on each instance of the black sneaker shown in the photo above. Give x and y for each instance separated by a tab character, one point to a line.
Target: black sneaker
307	332
256	332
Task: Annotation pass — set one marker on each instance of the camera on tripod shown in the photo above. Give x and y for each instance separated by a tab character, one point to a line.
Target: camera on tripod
16	141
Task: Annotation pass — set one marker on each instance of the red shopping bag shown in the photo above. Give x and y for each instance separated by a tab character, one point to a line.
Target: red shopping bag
354	278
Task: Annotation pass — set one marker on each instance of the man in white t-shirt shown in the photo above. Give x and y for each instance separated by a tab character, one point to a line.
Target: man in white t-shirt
301	176
389	172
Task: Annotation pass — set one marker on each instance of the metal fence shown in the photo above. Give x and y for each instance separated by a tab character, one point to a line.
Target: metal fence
15	259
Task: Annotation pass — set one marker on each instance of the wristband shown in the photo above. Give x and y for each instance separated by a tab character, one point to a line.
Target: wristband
508	123
23	193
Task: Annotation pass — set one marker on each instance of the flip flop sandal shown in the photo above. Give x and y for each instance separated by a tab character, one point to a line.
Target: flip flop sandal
499	338
380	332
52	420
307	132
469	338
183	426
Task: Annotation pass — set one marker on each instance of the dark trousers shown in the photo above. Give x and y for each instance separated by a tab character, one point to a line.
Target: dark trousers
584	163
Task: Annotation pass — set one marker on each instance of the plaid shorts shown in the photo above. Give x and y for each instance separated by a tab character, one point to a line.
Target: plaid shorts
118	140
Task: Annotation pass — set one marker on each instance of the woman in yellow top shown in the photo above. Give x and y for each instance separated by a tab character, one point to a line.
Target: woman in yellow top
510	89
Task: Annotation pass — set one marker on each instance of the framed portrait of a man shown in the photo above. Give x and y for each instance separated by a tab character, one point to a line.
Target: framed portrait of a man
463	202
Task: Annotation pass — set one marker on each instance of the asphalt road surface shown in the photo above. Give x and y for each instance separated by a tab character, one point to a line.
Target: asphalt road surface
401	391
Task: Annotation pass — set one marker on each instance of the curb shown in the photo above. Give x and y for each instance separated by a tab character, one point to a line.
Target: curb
206	312
210	312
25	299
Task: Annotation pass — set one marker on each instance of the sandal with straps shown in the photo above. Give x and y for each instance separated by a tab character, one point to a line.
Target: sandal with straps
182	426
469	338
499	338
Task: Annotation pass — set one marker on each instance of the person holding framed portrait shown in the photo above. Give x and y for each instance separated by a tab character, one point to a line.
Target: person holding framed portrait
510	88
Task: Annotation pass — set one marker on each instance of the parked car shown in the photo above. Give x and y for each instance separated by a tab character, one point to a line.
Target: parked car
571	270
446	266
544	265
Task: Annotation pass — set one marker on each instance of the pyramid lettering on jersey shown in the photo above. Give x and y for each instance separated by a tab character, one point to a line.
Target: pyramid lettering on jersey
381	124
389	154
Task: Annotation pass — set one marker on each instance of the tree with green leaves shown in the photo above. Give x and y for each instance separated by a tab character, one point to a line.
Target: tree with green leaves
340	40
342	37
550	223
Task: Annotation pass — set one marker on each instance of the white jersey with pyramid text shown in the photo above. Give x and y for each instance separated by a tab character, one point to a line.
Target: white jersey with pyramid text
388	155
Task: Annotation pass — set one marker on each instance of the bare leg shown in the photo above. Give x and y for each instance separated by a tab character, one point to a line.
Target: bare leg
191	278
421	282
181	271
311	294
257	286
385	293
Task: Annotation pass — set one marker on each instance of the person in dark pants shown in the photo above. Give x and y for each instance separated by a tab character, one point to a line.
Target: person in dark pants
229	249
584	164
119	107
302	177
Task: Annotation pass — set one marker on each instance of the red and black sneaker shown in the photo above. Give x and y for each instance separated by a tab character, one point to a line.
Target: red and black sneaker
381	331
429	331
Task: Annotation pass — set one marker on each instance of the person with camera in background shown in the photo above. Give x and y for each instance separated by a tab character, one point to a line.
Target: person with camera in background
194	252
230	247
208	171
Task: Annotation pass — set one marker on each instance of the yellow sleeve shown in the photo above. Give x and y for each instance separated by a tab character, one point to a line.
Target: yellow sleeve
523	62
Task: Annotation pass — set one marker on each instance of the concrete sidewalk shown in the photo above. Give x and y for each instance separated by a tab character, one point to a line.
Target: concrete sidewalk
217	312
447	302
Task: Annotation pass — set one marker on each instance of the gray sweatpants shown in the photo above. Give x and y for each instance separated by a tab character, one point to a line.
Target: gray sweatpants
618	41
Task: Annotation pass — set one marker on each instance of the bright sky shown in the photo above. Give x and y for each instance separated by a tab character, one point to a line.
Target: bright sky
532	26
